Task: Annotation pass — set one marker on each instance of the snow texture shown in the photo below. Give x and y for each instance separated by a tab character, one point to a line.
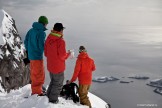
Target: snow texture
1	88
158	90
15	99
155	83
9	36
1	19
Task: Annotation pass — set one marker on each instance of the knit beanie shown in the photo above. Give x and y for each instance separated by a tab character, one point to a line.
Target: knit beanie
43	20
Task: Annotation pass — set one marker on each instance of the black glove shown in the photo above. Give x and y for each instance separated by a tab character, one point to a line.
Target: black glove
26	60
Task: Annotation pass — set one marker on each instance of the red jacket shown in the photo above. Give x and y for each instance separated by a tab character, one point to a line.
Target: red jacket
55	52
83	69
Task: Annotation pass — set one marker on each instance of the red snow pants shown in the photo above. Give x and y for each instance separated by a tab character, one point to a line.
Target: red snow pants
37	76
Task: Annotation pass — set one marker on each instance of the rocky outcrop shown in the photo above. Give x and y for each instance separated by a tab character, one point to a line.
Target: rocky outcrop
13	72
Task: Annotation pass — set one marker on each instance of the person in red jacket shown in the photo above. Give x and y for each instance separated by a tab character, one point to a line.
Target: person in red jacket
55	51
83	71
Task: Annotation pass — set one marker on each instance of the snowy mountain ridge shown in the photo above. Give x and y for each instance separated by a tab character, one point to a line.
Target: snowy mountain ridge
13	72
8	32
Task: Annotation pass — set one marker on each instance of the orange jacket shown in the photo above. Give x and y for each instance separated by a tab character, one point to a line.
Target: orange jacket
83	69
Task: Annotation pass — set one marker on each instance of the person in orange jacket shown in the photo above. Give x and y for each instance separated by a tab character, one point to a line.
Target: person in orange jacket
83	71
55	51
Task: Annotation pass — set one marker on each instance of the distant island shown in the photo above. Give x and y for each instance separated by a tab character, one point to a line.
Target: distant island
158	84
104	79
139	77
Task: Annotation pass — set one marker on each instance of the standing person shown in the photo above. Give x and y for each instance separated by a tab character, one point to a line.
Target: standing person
83	71
34	44
55	51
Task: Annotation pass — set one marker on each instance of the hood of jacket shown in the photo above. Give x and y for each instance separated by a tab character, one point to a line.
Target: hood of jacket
38	26
83	55
54	37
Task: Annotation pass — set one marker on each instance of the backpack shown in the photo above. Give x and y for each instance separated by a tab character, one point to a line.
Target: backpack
70	91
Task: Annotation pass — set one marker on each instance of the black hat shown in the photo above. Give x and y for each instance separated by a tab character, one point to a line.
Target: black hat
58	27
82	49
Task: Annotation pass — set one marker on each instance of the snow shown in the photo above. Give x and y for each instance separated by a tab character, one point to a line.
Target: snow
7	28
15	64
155	83
7	31
158	90
17	39
7	53
104	79
155	80
158	84
15	99
1	19
1	54
1	88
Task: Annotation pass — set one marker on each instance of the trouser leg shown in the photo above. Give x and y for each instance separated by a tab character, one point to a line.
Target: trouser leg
83	94
55	86
37	76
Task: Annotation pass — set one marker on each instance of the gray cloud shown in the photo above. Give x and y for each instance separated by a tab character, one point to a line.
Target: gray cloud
1	4
21	3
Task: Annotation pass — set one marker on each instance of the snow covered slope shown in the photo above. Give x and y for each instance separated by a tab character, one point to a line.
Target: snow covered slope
13	72
15	99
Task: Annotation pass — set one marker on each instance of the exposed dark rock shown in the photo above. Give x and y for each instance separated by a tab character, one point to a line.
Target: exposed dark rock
139	77
13	72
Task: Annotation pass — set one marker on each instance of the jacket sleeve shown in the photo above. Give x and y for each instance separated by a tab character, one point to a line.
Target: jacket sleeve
41	40
93	66
62	51
76	70
26	41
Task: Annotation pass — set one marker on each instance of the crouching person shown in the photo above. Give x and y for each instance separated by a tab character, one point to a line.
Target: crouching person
56	55
83	71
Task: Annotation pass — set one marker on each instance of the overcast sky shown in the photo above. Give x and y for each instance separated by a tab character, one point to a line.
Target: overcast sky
85	14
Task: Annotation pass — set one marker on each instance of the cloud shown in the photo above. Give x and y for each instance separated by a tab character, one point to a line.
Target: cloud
1	4
21	3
